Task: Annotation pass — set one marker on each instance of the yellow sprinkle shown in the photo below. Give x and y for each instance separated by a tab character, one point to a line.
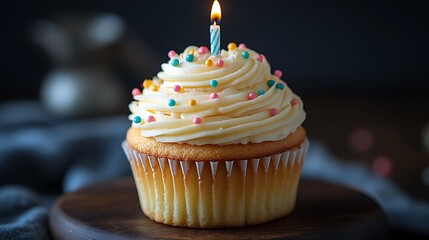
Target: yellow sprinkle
147	83
232	46
154	88
191	51
209	62
192	102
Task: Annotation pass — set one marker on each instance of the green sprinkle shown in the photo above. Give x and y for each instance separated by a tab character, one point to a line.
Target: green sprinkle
280	86
271	83
245	54
261	92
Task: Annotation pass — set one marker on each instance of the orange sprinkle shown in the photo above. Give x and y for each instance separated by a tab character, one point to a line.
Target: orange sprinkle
147	83
192	102
232	46
191	51
154	88
209	62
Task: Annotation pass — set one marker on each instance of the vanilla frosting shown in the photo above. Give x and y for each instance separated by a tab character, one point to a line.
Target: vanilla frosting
183	105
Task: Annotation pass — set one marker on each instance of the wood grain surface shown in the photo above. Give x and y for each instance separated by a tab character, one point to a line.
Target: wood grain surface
112	211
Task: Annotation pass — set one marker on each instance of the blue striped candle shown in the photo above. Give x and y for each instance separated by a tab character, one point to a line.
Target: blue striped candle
215	39
215	16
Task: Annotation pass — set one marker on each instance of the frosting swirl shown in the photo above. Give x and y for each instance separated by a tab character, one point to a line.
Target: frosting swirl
226	99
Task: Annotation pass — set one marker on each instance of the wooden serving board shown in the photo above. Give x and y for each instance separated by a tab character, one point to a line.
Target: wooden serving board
112	211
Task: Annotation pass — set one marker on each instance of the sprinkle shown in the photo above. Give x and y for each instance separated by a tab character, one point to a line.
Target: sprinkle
203	50
189	57
197	120
274	111
220	63
245	54
382	166
278	73
242	45
232	46
177	88
171	53
137	119
192	102
261	92
209	62
251	96
271	83
213	83
147	83
174	62
191	51
153	88
294	102
214	96
171	102
150	119
136	92
260	57
280	86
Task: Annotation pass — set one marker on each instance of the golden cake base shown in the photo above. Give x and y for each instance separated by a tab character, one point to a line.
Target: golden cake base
112	211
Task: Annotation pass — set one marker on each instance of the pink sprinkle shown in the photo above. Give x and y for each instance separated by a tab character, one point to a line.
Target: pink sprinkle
260	57
278	73
150	119
214	96
136	92
177	88
382	166
203	50
197	120
274	111
171	53
251	96
220	63
242	45
294	101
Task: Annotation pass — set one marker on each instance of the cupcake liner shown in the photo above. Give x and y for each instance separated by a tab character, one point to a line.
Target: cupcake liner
210	194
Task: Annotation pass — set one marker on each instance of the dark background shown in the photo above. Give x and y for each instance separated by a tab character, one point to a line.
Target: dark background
324	47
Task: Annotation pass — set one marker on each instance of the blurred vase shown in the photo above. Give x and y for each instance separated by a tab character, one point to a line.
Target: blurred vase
81	92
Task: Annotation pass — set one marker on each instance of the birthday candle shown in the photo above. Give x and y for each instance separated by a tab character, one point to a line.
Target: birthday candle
215	29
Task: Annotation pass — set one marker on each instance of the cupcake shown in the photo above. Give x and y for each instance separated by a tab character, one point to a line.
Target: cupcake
216	141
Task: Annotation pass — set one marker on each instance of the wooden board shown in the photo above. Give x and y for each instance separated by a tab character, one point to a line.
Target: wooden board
112	211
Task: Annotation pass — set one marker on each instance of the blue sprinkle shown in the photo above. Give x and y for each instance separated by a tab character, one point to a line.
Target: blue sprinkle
213	83
174	62
171	102
189	57
137	119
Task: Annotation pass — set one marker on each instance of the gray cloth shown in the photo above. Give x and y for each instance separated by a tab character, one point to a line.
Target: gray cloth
403	212
42	157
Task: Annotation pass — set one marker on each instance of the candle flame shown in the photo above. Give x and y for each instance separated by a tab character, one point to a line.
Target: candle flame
216	14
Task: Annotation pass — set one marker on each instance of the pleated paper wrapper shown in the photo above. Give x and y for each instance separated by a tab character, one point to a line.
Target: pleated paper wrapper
215	194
